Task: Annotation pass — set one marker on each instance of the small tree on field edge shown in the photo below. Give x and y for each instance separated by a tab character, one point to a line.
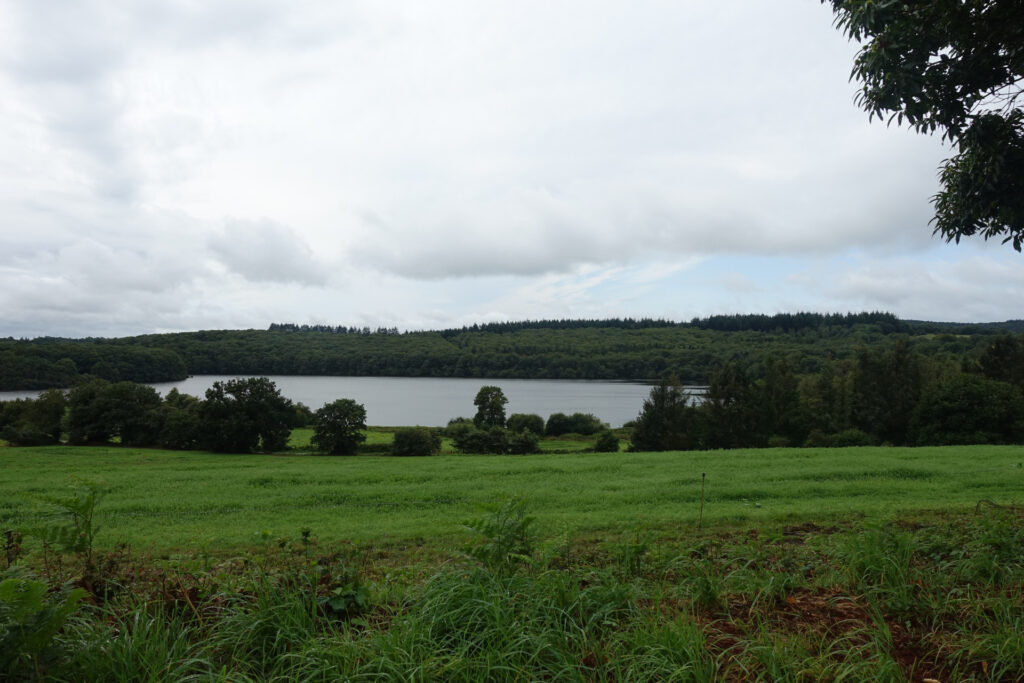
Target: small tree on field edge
338	427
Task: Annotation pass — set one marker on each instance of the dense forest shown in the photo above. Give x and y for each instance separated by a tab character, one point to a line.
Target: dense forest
626	349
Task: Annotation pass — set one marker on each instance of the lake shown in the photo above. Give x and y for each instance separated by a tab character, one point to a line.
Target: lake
432	401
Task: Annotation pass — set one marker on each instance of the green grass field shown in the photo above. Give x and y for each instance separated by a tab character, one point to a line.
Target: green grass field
165	500
847	564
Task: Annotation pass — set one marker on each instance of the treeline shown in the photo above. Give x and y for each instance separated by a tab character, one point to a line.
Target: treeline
882	395
586	352
615	349
249	415
331	329
48	363
562	324
886	323
238	416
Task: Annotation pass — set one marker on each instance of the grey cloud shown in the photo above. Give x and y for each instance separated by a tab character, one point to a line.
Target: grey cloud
621	222
265	251
981	288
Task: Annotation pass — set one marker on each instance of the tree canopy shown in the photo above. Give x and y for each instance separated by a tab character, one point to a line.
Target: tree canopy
490	407
338	427
956	67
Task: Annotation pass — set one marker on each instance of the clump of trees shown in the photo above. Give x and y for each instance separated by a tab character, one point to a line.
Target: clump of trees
247	415
584	424
491	432
27	422
890	395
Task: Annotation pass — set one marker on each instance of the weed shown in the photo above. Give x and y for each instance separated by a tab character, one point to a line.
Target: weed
29	620
878	564
630	556
12	546
75	530
506	539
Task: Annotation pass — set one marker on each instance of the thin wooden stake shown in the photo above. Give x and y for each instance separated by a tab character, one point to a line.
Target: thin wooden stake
700	520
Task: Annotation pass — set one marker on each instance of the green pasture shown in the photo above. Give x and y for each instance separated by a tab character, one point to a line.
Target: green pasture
165	500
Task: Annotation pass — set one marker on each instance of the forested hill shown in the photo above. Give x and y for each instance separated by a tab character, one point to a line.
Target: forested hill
564	349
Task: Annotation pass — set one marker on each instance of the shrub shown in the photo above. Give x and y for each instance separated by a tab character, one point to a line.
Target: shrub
456	426
493	440
524	443
29	621
416	441
851	437
504	538
517	422
577	423
558	424
817	439
606	442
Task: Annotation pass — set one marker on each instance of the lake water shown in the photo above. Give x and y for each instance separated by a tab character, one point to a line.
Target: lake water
432	401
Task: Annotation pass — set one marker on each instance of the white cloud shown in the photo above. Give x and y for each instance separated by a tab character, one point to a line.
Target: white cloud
180	165
264	251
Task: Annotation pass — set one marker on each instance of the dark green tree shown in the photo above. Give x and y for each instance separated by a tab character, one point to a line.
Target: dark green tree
33	422
825	401
667	421
969	409
1003	360
606	442
339	427
132	413
886	387
779	401
955	67
245	415
732	410
181	421
86	417
303	415
490	404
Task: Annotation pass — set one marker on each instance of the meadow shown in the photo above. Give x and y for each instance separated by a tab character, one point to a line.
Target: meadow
882	564
163	500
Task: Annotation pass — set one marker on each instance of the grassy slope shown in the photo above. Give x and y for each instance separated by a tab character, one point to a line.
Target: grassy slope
167	500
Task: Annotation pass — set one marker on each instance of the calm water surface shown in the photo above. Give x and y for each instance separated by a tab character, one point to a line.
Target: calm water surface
432	401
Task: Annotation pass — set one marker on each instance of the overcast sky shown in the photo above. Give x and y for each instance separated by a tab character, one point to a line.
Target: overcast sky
194	165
